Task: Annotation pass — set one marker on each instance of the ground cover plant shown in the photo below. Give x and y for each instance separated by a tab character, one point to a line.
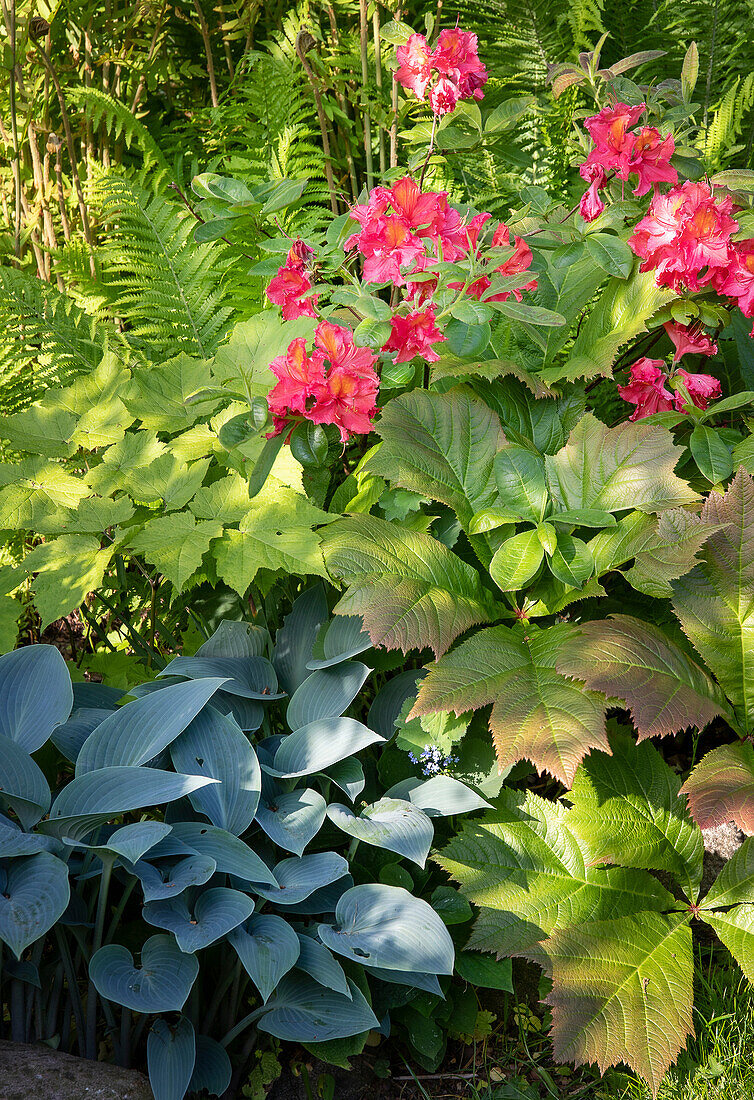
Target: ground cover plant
521	451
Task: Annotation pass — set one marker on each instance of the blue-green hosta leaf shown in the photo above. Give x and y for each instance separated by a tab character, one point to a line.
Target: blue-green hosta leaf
303	1011
69	737
295	639
235	639
35	694
634	471
131	842
171	1053
409	588
341	638
96	797
214	746
140	730
212	1068
215	913
299	877
23	786
347	774
249	677
627	811
34	893
86	695
161	984
715	602
15	842
529	874
324	900
232	855
326	693
293	818
247	713
315	747
622	991
388	702
441	445
411	978
268	948
320	964
385	926
390	823
440	796
167	880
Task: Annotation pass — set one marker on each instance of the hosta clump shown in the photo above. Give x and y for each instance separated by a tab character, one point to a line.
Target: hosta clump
236	893
601	889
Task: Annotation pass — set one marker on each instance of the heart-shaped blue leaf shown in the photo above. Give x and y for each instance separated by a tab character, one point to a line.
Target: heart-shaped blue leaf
268	948
232	855
35	694
440	796
343	637
300	877
168	880
292	819
23	786
171	1053
131	842
347	774
326	693
161	984
296	637
249	677
235	639
389	700
317	746
215	913
15	842
390	823
34	893
303	1011
69	737
320	963
212	1068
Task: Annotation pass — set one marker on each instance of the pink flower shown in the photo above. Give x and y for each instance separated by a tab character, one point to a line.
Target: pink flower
591	205
456	57
685	236
689	338
737	280
298	374
414	65
387	245
613	143
650	159
646	388
414	335
443	96
701	389
288	289
420	210
300	255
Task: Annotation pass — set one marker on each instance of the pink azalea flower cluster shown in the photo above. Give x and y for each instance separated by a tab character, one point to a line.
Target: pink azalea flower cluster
622	152
335	384
450	72
291	286
647	387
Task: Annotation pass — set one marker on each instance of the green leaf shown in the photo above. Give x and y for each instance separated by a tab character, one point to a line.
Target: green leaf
710	454
635	468
622	312
69	568
627	811
34	893
520	477
441	446
252	346
410	589
715	602
532	315
162	984
385	926
466	340
721	787
736	929
516	561
391	823
689	72
176	544
507	114
572	561
226	500
160	394
266	539
611	254
662	687
665	549
584	517
92	515
622	992
33	489
525	870
537	713
735	883
485	973
41	430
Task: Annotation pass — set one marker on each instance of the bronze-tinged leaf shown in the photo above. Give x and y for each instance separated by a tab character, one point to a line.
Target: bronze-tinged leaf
410	590
622	992
635	661
537	714
721	787
715	602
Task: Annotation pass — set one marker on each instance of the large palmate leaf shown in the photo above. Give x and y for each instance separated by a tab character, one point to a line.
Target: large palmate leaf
442	446
715	602
662	687
621	313
666	549
176	544
34	893
629	466
410	589
622	991
35	694
529	875
161	984
627	811
68	569
537	713
721	787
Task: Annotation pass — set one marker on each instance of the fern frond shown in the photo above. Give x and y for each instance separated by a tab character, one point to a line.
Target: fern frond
100	108
728	122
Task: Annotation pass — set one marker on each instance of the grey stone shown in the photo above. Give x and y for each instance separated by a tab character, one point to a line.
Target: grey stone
721	842
36	1072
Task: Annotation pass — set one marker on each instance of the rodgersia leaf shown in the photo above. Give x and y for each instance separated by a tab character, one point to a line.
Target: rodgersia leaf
622	991
614	469
410	589
441	445
721	787
662	687
735	927
537	714
715	602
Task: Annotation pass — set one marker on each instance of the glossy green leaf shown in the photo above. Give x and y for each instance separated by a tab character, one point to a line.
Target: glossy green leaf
710	454
516	561
520	478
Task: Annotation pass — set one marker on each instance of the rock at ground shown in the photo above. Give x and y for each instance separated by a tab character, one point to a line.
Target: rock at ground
721	842
36	1072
